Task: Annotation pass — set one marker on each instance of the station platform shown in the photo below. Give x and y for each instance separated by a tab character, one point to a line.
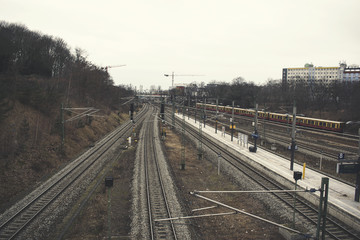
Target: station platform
341	196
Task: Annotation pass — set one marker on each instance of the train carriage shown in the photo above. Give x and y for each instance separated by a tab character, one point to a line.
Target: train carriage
336	126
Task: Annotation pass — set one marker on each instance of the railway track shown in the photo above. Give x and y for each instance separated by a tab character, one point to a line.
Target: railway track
334	230
13	223
327	143
157	202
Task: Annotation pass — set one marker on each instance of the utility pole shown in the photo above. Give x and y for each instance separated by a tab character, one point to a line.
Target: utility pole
256	124
173	112
255	134
216	116
357	190
183	112
200	148
293	143
195	107
188	107
264	124
162	116
321	224
62	127
232	121
183	140
204	112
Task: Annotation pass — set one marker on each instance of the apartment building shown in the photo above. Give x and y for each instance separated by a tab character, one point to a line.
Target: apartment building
326	75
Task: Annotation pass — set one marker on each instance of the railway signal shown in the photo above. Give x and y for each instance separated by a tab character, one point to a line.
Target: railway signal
132	112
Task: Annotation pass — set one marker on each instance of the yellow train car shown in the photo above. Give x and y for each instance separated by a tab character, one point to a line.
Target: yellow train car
330	125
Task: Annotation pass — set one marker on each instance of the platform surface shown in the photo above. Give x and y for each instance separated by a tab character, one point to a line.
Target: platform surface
340	194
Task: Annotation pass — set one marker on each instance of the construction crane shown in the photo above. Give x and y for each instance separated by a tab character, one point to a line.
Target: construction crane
182	75
106	67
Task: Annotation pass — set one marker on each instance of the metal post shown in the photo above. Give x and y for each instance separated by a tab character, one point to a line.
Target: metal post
173	113
293	138
255	127
321	224
232	121
294	205
109	212
183	142
321	158
200	148
183	110
188	108
264	124
357	184
216	116
219	156
62	126
359	144
204	112
195	107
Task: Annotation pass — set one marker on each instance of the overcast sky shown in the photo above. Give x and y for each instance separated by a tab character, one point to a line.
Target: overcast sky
220	39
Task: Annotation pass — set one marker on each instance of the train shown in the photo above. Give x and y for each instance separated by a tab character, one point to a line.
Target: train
329	125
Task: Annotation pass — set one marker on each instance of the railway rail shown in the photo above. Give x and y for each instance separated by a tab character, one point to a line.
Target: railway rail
158	206
326	141
312	142
12	224
334	230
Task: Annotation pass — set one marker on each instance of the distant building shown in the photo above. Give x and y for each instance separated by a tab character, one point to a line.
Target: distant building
351	74
310	74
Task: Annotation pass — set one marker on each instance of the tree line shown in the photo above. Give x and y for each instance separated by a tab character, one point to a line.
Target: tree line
338	100
40	71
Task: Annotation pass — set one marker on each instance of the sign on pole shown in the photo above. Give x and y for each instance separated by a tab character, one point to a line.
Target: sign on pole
347	167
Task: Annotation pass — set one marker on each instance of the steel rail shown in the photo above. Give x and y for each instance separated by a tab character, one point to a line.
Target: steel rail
352	148
147	181
8	231
253	174
150	157
162	184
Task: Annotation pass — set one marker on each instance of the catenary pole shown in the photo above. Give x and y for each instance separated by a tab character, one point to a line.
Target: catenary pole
232	121
293	144
216	116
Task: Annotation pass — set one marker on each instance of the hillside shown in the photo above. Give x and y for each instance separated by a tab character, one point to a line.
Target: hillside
38	73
